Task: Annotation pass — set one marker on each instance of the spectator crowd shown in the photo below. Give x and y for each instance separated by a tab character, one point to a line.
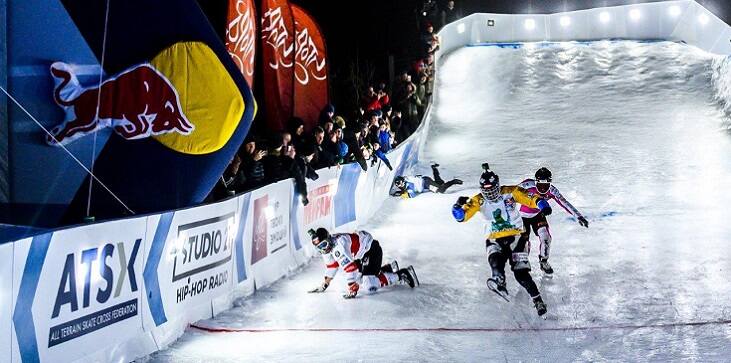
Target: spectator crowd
385	118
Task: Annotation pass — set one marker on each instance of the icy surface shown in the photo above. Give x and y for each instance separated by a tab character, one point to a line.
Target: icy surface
636	141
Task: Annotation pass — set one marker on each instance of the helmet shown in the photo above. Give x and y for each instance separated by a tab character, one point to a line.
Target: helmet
543	180
321	240
490	185
400	182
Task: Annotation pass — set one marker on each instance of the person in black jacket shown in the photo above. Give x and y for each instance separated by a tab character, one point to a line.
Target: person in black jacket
301	169
251	164
278	161
323	158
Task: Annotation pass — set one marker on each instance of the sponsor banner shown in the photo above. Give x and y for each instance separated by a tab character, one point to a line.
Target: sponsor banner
310	68
244	278
241	36
78	294
278	35
269	210
318	213
6	298
345	194
188	263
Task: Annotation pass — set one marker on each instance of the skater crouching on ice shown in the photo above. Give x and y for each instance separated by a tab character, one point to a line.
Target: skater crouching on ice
360	256
411	186
534	219
504	229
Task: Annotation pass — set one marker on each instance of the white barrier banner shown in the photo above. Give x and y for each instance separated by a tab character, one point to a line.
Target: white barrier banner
317	213
188	264
243	275
78	294
6	300
271	257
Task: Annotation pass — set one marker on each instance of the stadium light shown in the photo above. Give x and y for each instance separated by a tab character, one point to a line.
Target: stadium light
703	19
565	21
674	11
604	17
460	28
530	24
635	14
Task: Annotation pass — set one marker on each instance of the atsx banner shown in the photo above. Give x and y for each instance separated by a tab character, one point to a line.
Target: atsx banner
119	290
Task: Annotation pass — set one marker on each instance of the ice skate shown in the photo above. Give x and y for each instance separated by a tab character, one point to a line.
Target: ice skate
408	276
497	285
540	305
545	266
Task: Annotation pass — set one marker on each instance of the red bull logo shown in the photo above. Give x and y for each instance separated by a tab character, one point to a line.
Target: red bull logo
140	102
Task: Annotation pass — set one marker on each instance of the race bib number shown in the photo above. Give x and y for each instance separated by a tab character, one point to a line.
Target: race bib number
520	257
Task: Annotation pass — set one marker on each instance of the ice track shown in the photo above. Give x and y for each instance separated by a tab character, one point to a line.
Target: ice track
636	139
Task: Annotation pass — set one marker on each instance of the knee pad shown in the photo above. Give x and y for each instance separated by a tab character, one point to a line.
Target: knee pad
370	284
493	248
520	261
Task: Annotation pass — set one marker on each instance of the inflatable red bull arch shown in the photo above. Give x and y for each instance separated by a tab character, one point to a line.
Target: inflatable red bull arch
144	94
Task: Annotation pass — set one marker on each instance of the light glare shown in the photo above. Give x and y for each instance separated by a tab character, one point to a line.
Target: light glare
635	14
674	11
604	17
565	21
703	19
530	24
460	28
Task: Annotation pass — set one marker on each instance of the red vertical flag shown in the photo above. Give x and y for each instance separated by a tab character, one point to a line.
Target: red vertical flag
277	32
310	69
241	36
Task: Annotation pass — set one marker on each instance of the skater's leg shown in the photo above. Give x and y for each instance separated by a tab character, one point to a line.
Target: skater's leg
496	258
435	172
431	185
371	283
371	263
443	188
521	265
544	234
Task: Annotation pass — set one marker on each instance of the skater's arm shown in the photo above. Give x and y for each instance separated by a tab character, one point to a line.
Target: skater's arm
331	266
522	196
465	208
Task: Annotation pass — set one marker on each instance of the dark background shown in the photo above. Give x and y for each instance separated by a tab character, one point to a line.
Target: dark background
362	34
369	40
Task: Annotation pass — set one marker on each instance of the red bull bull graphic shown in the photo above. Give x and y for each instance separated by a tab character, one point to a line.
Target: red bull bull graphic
140	102
241	36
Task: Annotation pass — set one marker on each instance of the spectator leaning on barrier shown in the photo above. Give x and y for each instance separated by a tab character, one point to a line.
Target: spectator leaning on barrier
275	163
323	157
297	130
301	169
230	182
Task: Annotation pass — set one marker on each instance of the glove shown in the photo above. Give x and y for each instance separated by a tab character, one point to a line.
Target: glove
320	288
458	212
352	290
462	201
544	207
305	201
583	222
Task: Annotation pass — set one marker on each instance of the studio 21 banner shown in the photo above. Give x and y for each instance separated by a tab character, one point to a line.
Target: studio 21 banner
241	36
310	69
278	51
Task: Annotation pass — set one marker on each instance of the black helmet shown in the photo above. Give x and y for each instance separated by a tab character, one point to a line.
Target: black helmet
543	180
399	181
321	240
490	185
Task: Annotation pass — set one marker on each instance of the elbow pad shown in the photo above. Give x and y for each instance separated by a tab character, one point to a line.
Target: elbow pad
458	212
542	204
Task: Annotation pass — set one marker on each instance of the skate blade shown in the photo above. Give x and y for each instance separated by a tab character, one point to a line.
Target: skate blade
494	289
394	266
413	274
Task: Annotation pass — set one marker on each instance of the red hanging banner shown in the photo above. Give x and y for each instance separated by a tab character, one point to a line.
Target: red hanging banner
278	51
241	36
310	69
